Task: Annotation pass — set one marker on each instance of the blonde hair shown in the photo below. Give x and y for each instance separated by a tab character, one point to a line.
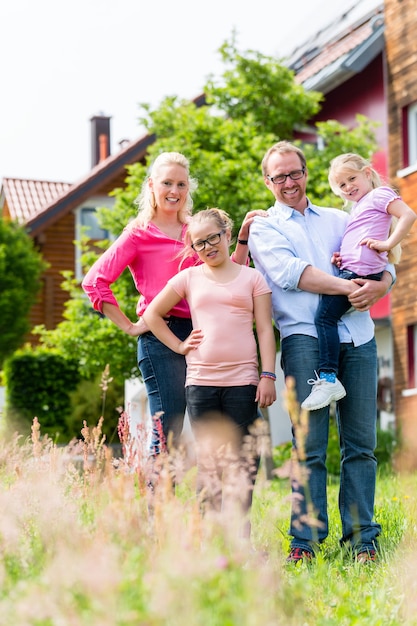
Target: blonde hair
351	163
146	197
220	217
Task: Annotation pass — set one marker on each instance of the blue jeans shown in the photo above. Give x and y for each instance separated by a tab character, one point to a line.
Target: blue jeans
220	418
163	372
356	420
329	312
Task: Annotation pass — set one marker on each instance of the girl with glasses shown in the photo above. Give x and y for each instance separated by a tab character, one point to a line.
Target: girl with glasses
223	385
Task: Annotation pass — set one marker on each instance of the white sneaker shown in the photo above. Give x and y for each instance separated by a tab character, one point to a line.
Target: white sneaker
323	393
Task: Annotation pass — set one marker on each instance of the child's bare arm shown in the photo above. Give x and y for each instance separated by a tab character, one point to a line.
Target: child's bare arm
406	218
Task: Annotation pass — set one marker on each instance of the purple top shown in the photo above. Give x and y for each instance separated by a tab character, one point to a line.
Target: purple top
368	218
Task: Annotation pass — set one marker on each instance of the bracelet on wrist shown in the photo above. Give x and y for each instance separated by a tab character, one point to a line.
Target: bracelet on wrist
270	375
243	242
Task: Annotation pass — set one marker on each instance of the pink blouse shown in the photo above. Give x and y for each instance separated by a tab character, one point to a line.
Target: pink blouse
152	258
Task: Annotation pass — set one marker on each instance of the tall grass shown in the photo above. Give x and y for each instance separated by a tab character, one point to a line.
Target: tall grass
80	546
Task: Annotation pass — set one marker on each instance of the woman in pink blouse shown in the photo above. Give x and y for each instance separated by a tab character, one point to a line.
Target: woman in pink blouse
150	246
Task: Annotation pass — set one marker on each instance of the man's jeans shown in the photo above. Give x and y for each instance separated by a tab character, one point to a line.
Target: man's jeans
356	420
163	372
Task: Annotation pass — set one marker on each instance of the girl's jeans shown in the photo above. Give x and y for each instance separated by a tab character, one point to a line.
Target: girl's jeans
227	455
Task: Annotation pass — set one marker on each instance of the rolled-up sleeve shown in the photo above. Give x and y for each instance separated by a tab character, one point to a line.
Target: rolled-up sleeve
107	269
275	256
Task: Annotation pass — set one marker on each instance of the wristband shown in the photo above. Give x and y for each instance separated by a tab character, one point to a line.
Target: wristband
244	242
270	375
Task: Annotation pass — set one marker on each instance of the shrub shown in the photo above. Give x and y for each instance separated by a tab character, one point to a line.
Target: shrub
38	384
96	398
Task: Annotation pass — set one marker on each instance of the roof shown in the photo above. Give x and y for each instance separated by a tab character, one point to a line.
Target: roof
341	49
27	198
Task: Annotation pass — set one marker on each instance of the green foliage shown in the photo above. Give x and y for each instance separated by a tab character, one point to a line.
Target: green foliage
91	400
91	339
38	384
262	90
21	267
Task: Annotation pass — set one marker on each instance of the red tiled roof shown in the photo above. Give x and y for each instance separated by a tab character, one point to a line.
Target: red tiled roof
26	199
334	50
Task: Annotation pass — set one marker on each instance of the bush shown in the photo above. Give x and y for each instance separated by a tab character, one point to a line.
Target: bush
38	384
93	399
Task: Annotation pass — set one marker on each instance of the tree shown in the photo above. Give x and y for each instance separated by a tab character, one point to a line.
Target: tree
21	267
255	103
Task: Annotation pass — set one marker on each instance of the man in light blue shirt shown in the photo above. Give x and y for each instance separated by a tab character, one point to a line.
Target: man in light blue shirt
292	247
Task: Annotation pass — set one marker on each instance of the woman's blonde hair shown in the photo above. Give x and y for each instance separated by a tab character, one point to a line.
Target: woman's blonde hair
146	197
351	163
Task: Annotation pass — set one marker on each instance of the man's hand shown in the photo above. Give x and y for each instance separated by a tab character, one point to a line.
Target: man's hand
247	221
368	292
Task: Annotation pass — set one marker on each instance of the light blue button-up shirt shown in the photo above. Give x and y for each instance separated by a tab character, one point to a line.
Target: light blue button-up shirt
282	246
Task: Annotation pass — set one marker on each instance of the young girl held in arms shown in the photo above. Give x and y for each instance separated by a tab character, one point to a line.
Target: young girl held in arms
379	220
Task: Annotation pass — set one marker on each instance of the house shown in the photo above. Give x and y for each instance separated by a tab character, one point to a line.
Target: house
401	56
345	61
55	212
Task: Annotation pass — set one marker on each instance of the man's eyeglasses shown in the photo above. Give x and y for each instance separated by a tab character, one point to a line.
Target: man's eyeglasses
213	240
281	178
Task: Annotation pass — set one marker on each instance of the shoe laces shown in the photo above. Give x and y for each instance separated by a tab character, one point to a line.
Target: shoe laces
315	381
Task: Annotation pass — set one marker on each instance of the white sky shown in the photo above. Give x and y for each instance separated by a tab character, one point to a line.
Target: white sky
63	62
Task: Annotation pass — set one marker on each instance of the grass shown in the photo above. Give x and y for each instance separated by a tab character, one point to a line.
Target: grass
79	547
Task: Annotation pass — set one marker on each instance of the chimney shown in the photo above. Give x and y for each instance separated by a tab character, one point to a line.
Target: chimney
100	138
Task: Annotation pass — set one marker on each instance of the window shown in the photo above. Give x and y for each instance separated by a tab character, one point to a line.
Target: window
86	223
412	355
89	224
410	139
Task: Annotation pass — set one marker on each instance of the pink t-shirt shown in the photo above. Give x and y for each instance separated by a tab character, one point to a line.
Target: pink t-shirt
368	218
227	356
152	258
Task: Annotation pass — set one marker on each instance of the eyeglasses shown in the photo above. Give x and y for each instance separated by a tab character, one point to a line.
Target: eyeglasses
213	240
281	178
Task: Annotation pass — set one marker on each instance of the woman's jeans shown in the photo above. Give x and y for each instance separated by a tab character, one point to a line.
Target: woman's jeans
163	373
356	420
329	312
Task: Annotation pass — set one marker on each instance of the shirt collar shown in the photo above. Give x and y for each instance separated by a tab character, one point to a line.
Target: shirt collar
286	212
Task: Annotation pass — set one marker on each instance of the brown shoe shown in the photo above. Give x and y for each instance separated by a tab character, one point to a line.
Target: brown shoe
299	555
366	556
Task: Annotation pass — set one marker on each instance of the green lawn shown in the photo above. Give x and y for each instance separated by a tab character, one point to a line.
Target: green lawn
78	547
